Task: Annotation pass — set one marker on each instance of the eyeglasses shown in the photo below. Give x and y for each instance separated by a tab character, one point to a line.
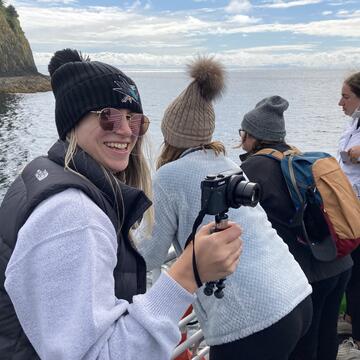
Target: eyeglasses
242	133
111	119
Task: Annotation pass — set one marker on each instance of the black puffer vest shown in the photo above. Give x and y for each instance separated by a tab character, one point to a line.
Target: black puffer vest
43	177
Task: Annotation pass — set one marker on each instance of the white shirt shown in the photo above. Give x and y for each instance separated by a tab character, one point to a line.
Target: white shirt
350	138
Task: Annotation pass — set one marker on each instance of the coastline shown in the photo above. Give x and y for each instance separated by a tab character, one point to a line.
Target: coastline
25	84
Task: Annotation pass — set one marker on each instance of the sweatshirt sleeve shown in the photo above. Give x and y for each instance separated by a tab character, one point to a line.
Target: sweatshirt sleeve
155	248
60	280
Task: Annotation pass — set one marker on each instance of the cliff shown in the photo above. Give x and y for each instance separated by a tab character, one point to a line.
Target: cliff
18	72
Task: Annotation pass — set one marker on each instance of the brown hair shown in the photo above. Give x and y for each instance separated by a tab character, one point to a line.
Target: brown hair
171	153
353	81
263	144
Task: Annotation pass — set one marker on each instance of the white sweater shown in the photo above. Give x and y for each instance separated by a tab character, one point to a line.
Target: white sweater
60	280
268	283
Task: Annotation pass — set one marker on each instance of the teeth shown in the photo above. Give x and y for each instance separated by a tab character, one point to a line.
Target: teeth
117	145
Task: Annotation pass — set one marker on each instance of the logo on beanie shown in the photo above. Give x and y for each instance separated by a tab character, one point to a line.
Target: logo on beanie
128	90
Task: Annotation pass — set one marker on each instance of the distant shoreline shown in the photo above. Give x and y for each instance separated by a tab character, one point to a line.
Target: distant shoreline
25	84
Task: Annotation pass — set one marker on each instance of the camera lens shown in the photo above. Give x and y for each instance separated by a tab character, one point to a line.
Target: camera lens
243	192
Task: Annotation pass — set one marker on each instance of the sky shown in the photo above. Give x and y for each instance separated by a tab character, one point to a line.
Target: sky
164	33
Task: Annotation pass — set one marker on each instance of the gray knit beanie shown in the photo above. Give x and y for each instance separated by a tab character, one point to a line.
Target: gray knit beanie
189	120
266	121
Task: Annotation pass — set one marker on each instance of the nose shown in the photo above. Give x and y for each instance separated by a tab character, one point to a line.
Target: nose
341	103
123	128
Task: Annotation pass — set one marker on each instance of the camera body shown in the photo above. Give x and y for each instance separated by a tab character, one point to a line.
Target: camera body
228	189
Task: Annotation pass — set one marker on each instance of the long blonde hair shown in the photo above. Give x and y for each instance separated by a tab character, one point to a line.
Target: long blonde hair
136	174
171	153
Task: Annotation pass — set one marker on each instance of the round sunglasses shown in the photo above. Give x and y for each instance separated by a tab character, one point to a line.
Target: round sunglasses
111	119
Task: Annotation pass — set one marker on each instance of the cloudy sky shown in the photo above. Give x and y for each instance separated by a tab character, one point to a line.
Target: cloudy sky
164	33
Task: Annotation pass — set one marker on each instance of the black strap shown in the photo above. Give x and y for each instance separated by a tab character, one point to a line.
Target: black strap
191	237
191	150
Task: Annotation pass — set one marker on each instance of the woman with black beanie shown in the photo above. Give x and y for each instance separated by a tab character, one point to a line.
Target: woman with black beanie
70	272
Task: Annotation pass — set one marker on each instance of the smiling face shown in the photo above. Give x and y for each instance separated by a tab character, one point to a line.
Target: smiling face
110	148
349	101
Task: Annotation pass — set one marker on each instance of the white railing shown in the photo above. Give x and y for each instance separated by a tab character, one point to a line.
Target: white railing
195	340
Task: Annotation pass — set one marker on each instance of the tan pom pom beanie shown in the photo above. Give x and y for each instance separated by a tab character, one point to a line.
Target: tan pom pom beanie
189	120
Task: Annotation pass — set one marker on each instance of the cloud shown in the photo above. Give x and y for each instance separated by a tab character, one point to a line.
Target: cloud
349	28
278	4
300	55
243	20
132	36
135	5
122	28
325	13
274	49
238	6
343	2
344	57
347	13
65	2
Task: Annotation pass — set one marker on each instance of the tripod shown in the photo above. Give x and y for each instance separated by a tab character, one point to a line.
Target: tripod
221	223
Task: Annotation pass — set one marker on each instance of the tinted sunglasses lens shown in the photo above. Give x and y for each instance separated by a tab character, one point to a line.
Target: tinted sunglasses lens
135	124
139	124
111	120
107	119
145	125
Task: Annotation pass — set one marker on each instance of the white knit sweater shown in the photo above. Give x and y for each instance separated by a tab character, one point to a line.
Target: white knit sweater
268	283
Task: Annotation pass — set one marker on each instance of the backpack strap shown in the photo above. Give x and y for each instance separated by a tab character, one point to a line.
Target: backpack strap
279	155
271	153
298	219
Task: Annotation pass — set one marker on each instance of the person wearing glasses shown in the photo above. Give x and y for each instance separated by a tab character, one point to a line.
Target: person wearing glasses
264	127
266	306
74	282
349	159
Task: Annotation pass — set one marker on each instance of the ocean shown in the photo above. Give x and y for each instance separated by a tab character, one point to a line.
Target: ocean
314	121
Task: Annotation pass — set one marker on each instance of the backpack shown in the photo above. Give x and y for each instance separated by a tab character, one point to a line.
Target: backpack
327	210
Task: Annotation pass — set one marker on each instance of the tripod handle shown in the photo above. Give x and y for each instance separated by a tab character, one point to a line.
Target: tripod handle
221	223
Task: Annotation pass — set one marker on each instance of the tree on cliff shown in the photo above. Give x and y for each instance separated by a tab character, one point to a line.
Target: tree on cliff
11	11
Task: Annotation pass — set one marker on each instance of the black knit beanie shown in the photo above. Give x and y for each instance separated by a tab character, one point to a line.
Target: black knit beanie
81	85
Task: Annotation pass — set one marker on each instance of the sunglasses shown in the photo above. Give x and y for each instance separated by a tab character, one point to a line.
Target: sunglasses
111	119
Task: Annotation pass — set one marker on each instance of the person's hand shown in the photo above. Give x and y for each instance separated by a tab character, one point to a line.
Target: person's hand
217	255
354	153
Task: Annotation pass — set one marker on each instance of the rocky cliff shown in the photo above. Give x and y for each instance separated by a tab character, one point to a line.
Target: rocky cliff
17	66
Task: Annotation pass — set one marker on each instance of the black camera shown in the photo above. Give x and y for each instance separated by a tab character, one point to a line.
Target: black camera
228	189
220	192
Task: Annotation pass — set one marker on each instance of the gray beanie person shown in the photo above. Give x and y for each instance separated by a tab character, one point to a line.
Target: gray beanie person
266	121
189	121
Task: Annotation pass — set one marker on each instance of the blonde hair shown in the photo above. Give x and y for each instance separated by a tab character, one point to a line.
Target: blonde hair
171	153
136	174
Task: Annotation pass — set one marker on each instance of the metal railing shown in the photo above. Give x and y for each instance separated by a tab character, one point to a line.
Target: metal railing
195	340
